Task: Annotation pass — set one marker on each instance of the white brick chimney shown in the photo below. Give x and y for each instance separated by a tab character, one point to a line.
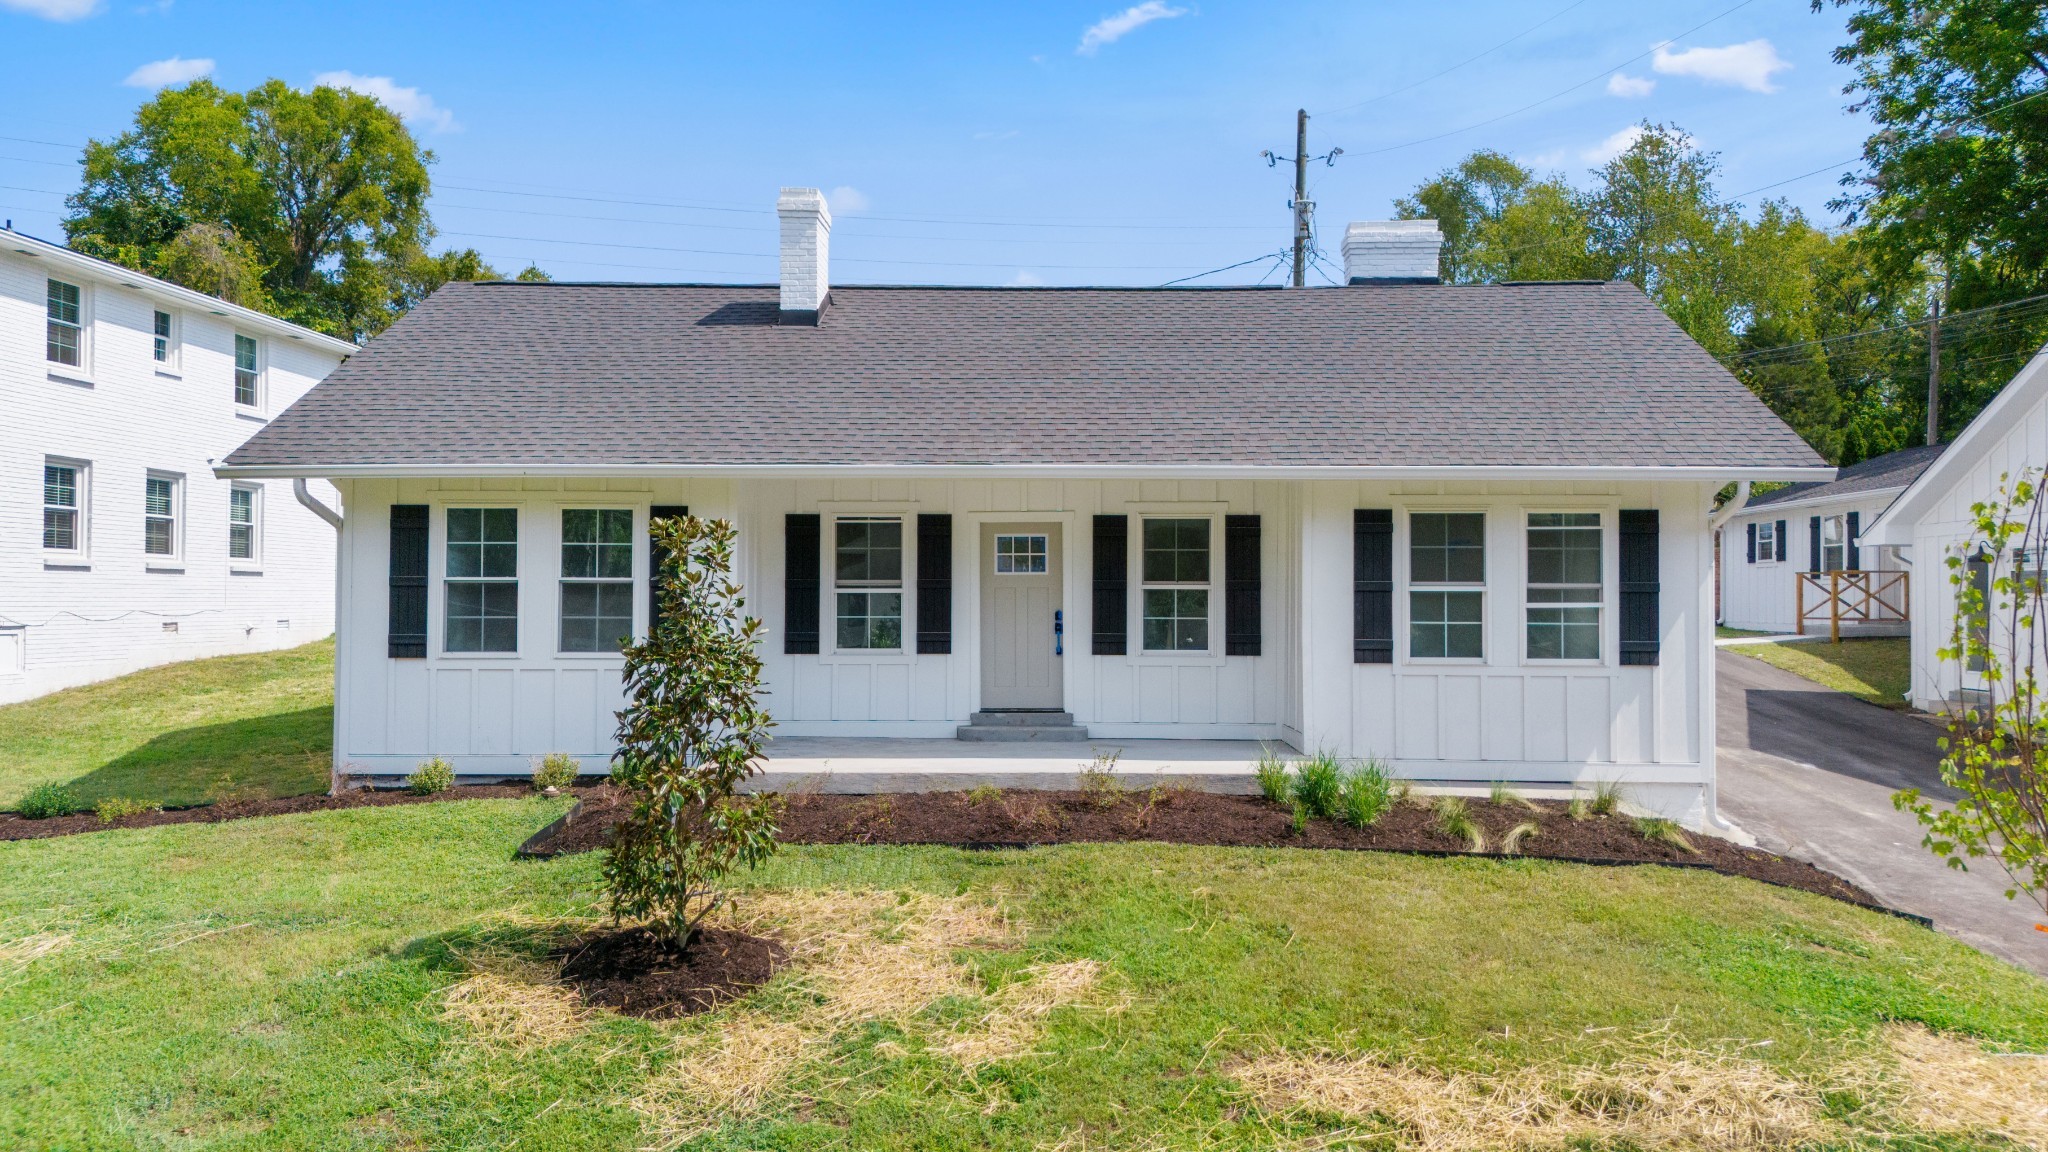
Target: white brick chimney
806	240
1387	251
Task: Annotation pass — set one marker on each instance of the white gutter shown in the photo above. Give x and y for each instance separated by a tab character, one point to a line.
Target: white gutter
1032	471
306	497
1731	509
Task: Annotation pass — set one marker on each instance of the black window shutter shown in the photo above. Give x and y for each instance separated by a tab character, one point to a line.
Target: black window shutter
1639	609
800	583
1240	585
1372	586
934	583
1780	545
1752	543
656	557
1855	524
408	624
1112	585
1813	542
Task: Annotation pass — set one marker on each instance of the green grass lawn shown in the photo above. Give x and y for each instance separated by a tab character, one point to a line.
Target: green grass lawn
1878	669
1724	632
286	983
257	725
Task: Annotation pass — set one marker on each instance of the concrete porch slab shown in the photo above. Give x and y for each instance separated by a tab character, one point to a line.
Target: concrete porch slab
875	764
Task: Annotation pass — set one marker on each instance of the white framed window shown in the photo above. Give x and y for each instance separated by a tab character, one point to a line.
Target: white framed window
1173	583
64	507
1834	543
481	582
245	522
1767	542
597	579
1021	554
1447	585
1566	585
248	371
163	498
867	579
164	340
65	343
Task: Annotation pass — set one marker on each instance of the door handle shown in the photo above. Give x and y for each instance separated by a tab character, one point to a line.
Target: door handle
1059	632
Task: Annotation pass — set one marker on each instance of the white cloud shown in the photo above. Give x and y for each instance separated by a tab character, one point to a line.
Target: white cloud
412	105
1747	65
166	73
1614	145
1025	279
1542	160
62	11
1630	87
846	201
1111	29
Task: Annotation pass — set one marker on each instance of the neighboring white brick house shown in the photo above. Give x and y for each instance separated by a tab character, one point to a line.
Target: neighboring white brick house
119	548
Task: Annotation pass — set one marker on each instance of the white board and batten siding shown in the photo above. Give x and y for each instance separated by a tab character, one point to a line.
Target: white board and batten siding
1500	717
108	606
1761	594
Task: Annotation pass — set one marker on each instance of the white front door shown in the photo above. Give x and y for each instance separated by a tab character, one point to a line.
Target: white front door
1020	600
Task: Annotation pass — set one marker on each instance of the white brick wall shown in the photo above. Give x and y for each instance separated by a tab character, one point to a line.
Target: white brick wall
1391	250
806	248
73	619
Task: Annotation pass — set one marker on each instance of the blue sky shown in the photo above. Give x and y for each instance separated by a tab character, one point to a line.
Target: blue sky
1058	142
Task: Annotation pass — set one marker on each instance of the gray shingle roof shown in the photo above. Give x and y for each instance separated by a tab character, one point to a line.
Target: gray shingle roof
1891	470
1414	376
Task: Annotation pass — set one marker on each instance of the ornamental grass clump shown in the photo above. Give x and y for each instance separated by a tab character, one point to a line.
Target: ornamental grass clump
1454	819
433	775
1272	776
1365	795
1660	830
1317	782
691	733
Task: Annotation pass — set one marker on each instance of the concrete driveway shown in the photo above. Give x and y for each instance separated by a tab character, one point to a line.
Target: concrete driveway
1810	773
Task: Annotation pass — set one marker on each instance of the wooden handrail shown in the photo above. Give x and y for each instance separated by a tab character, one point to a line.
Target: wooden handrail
1858	596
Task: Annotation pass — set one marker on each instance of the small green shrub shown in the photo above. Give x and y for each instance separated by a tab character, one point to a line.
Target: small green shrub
556	770
115	807
1658	830
1365	795
1512	842
435	775
1272	773
1317	781
1454	819
1606	798
983	794
1099	782
47	800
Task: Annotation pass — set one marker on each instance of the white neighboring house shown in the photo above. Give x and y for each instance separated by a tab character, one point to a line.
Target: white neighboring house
119	547
1932	519
1462	528
1811	530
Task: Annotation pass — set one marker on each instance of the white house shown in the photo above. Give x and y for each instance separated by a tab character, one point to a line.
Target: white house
1465	529
1932	520
119	548
1779	551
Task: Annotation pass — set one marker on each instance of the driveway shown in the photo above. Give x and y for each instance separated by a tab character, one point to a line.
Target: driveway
1810	773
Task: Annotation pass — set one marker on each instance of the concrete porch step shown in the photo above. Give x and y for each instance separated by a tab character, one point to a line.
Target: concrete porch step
1012	727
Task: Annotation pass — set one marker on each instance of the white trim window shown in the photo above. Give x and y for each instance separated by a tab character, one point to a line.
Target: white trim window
867	578
64	506
162	499
1834	543
481	586
1567	558
245	522
164	339
1767	542
248	371
65	343
1447	585
1021	554
1173	583
597	579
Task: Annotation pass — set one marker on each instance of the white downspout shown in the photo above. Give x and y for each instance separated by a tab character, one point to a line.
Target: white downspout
305	496
1710	748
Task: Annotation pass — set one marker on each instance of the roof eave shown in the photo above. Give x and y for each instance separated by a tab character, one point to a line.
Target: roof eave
1815	501
1702	473
1895	526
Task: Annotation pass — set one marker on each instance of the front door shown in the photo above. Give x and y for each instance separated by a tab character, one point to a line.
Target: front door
1020	599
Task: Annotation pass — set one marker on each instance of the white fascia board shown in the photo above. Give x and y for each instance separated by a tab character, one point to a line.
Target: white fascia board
1023	472
1811	502
103	271
1895	526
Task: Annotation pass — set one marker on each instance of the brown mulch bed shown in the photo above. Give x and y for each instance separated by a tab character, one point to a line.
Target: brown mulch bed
1018	819
16	827
638	972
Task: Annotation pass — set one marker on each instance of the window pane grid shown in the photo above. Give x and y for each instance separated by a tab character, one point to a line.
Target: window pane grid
159	516
870	620
1020	555
1174	592
1447	548
597	579
482	585
1565	586
868	552
241	524
162	348
60	508
64	341
1176	619
867	566
245	371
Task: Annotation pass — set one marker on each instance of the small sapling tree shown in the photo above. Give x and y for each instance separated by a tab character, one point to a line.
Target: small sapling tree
1996	752
691	733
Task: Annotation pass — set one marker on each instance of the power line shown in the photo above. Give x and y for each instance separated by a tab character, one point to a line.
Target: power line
1225	268
771	255
1460	64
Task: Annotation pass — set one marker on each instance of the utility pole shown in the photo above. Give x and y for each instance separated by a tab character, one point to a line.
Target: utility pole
1304	208
1934	365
